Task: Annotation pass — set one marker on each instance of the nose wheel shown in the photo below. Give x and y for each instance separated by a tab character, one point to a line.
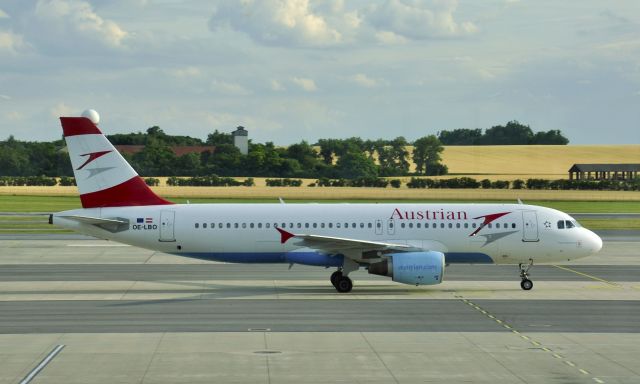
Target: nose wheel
525	284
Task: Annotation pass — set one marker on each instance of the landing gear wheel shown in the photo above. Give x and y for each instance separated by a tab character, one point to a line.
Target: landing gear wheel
335	276
343	284
526	284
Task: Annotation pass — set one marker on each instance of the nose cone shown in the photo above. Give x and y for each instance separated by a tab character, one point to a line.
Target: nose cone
594	243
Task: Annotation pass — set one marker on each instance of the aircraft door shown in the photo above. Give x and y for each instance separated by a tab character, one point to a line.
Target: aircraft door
391	227
530	226
167	230
378	227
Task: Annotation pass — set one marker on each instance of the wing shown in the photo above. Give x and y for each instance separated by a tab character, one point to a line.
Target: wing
358	250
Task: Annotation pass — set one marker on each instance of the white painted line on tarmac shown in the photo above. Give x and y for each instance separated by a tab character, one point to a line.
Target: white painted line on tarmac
98	245
42	364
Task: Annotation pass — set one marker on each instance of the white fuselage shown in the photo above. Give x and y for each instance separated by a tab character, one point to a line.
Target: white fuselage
247	232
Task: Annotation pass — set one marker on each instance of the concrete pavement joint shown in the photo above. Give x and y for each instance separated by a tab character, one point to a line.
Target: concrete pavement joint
527	338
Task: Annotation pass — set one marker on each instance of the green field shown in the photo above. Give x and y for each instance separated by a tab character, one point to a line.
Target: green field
11	203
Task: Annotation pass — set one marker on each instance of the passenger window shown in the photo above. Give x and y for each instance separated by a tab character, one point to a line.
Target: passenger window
266	225
361	225
391	224
489	225
370	225
346	225
561	224
220	225
228	225
250	225
401	225
259	225
441	225
466	225
435	225
244	225
569	224
306	225
378	225
513	225
450	225
410	225
473	225
197	225
337	225
204	225
321	225
418	225
353	225
457	225
235	225
290	225
330	225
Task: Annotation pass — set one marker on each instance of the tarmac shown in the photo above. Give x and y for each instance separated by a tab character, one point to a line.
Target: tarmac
129	315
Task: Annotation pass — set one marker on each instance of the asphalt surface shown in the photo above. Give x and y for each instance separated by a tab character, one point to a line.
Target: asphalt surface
186	315
199	272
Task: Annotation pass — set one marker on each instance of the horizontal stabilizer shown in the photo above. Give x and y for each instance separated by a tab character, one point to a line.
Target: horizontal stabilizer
95	220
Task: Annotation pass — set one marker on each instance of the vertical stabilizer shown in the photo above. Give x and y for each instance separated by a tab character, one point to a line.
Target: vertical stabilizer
103	176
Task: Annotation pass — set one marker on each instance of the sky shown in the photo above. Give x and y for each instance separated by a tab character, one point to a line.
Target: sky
292	70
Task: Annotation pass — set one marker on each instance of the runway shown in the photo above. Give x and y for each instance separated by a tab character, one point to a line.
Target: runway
131	315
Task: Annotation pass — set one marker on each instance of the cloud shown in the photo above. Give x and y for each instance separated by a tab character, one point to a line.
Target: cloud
276	22
5	97
363	80
10	42
415	20
71	21
307	84
299	23
227	88
276	85
3	14
62	109
185	72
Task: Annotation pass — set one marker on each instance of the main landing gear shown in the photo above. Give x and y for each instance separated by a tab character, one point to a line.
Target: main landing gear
340	278
343	284
525	284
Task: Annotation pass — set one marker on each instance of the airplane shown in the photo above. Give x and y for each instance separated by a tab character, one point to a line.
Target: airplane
410	243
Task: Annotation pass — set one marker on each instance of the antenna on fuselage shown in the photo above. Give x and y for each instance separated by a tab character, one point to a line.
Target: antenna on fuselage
520	201
281	201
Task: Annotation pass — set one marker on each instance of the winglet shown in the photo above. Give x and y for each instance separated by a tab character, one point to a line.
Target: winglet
284	235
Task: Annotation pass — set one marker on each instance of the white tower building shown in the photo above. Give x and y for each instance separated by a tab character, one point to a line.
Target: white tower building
241	139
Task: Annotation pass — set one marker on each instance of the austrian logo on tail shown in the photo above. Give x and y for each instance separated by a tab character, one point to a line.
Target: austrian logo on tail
92	157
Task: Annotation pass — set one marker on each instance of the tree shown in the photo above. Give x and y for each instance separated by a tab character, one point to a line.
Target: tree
156	159
513	133
552	137
460	136
218	138
356	164
426	154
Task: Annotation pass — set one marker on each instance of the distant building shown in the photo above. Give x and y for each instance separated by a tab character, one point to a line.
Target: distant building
604	171
179	150
241	139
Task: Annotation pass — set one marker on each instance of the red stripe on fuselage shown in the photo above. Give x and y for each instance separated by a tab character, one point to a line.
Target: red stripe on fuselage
133	192
73	126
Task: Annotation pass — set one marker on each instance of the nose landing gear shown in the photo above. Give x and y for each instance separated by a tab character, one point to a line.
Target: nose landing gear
525	284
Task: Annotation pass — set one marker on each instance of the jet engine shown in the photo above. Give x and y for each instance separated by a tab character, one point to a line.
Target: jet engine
419	268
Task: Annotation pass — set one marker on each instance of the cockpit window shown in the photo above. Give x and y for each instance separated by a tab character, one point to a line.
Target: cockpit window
569	223
561	224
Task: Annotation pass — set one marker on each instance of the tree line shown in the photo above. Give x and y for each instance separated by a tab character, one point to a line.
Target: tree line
327	159
513	133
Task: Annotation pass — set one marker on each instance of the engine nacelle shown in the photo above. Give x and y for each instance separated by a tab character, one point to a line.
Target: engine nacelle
419	268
